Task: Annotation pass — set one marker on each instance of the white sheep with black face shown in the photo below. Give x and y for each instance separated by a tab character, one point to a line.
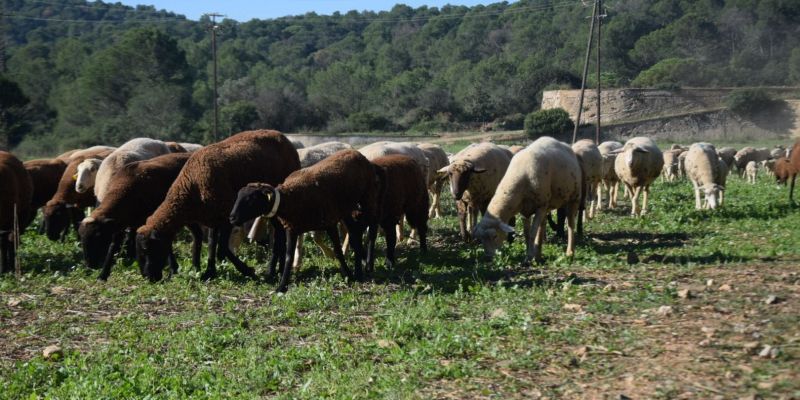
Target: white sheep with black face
638	164
707	173
543	177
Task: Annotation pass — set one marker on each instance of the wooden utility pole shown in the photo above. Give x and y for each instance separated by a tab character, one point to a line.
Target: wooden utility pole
585	72
600	16
214	28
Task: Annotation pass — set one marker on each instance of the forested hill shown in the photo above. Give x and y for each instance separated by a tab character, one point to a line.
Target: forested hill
95	72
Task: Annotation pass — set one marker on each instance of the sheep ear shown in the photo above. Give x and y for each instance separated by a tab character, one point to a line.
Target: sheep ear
478	170
506	228
641	150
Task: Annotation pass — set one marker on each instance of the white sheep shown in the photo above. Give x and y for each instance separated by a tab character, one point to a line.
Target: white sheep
190	147
705	170
133	150
543	177
610	181
671	170
751	172
638	164
87	172
437	159
591	162
314	154
474	174
748	154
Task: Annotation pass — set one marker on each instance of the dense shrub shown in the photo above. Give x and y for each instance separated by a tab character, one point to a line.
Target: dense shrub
550	122
368	122
748	102
510	122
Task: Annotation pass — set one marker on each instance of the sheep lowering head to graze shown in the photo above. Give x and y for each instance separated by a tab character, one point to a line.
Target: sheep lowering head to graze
727	154
133	150
747	154
474	174
705	171
543	177
205	190
318	198
610	180
638	164
437	159
16	191
87	172
45	175
591	162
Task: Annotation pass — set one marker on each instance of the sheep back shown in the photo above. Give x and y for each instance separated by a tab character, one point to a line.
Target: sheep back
133	150
405	191
45	175
639	163
590	159
314	154
380	149
437	159
702	164
482	186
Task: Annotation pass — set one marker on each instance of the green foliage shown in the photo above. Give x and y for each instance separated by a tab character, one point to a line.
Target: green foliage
367	122
511	122
237	117
550	122
12	118
671	72
748	102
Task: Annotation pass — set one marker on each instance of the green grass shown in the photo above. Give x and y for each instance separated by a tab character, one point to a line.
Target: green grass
444	324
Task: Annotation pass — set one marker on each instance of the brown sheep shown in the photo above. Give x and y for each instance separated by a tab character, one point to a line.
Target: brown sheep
17	191
405	195
318	198
67	205
787	168
204	193
133	194
45	175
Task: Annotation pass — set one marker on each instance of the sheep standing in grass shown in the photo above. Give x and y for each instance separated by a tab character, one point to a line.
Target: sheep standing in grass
205	190
474	174
15	196
787	168
437	159
45	175
705	171
747	154
133	150
727	154
543	177
671	170
134	193
610	182
591	162
751	172
318	198
638	164
405	195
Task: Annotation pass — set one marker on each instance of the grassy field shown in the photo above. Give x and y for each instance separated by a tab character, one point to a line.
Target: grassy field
695	317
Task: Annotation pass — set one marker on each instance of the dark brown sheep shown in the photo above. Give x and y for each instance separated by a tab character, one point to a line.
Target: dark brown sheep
17	191
787	168
67	205
405	195
205	190
134	193
45	175
317	198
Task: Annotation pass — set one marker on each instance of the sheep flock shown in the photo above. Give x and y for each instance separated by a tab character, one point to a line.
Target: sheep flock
135	199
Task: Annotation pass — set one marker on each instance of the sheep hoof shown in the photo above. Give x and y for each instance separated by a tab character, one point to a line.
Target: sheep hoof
208	275
102	278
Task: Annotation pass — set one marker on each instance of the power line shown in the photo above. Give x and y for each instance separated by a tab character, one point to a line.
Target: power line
119	21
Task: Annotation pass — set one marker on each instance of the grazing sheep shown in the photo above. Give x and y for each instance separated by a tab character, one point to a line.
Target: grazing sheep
318	198
17	191
639	163
777	152
751	172
610	180
89	152
45	175
704	170
474	174
136	190
769	166
437	159
405	195
314	154
204	193
787	168
543	177
728	155
86	175
133	150
682	164
67	205
591	162
671	169
748	154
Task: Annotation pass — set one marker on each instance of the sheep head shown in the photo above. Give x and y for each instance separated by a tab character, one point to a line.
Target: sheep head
491	232
87	171
459	173
96	235
153	249
253	200
56	219
712	193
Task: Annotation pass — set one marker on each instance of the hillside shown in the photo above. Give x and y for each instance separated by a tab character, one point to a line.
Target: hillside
97	72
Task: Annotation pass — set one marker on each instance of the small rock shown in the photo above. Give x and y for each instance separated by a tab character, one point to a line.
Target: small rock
768	352
52	352
772	299
58	290
664	310
609	288
746	369
385	343
750	346
708	331
13	302
704	343
710	282
573	307
685	294
725	288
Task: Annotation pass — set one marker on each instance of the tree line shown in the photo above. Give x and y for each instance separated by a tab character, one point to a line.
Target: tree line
89	72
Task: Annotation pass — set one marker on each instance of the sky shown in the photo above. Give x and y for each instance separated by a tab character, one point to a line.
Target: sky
245	10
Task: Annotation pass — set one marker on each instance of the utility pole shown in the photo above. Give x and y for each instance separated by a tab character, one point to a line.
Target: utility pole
600	16
585	72
214	28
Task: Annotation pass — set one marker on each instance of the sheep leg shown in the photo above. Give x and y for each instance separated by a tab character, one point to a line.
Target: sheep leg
333	235
222	246
130	244
462	222
5	265
291	244
614	195
278	248
372	236
697	204
173	261
326	250
197	245
298	251
634	199
356	233
599	201
791	189
526	234
391	243
645	195
570	232
535	252
399	228
113	248
211	267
